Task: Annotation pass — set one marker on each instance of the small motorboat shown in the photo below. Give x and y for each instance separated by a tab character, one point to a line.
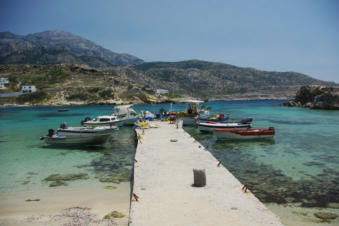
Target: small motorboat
208	126
105	120
123	115
78	135
244	133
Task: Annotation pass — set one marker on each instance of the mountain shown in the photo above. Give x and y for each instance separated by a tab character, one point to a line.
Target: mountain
55	47
217	80
86	63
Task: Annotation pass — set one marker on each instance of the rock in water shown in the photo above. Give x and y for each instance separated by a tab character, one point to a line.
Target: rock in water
114	214
317	97
326	215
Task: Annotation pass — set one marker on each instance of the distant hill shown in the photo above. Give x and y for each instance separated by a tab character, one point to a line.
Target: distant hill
217	80
195	78
55	47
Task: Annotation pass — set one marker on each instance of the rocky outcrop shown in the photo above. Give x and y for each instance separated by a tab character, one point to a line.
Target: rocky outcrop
316	97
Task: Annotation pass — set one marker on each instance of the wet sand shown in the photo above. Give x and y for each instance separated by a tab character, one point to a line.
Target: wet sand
66	205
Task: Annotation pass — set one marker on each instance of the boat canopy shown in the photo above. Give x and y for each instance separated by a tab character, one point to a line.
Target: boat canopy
124	110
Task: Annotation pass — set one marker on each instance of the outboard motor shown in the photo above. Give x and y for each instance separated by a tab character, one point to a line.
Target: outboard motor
85	120
50	132
63	125
246	121
271	128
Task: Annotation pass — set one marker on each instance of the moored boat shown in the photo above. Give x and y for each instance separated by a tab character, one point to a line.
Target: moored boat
79	135
192	112
104	120
208	126
244	134
83	139
123	115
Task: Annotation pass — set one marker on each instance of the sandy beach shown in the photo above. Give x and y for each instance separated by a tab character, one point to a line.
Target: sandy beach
72	205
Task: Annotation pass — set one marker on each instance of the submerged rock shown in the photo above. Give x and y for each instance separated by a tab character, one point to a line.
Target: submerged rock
112	215
67	177
110	187
58	183
326	215
109	180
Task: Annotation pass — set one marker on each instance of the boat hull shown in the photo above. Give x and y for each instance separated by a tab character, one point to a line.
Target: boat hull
188	121
248	134
82	139
88	131
112	123
129	122
209	127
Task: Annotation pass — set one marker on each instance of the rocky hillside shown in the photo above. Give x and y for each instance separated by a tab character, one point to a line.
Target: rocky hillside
66	61
55	47
317	97
218	81
73	85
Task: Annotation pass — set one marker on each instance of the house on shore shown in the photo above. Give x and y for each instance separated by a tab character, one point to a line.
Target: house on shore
161	91
3	82
28	89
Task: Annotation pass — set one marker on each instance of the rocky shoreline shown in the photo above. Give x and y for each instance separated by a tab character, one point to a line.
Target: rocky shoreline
316	97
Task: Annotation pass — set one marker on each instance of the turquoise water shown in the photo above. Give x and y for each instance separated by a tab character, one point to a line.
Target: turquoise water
300	165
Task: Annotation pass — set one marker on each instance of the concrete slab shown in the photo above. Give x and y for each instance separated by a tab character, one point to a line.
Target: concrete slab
163	178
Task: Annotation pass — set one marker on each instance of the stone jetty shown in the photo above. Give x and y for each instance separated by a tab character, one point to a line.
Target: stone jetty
163	191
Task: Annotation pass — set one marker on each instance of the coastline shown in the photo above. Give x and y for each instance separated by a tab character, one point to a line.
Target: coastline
174	100
63	205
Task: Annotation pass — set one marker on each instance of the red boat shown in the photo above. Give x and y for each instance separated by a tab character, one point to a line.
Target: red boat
244	133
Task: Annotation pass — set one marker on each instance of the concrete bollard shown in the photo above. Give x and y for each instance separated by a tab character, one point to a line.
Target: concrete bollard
199	177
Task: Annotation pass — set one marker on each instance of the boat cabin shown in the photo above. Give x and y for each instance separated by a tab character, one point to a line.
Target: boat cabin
193	106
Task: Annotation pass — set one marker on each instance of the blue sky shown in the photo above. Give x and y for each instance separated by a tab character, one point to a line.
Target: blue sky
275	35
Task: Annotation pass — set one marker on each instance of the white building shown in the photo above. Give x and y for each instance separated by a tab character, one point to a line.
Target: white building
28	89
3	81
161	91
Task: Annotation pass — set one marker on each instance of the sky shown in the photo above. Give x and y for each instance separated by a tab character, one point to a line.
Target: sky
273	35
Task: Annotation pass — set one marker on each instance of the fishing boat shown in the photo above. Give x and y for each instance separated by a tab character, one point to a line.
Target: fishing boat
244	134
217	118
78	135
192	112
209	126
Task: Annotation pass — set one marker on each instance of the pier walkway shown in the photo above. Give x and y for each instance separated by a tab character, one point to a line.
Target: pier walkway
163	178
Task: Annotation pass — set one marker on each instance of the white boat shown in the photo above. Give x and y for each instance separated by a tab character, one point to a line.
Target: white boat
88	130
123	115
126	114
83	139
79	135
208	126
192	112
104	120
244	134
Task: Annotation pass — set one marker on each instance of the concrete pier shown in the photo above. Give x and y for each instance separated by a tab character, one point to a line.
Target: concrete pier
163	178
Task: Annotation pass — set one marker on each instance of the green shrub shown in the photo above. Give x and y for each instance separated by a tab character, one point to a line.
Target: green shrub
77	96
93	89
106	94
35	97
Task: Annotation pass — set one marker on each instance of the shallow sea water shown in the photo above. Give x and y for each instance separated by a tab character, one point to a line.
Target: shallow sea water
300	165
